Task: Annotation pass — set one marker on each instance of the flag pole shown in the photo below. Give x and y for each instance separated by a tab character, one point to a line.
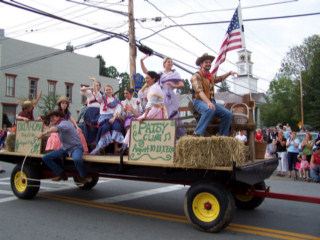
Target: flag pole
244	42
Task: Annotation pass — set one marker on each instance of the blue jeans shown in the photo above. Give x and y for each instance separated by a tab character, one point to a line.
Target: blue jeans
208	113
50	160
315	173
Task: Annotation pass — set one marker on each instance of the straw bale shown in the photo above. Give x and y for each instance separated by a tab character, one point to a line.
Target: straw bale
209	152
10	142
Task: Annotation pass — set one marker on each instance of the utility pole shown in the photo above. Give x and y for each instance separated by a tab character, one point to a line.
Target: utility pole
132	44
301	99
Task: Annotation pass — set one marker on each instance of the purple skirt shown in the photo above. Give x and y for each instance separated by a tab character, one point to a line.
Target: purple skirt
128	120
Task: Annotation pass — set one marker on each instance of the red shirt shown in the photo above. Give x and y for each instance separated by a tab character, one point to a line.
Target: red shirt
316	159
28	115
259	136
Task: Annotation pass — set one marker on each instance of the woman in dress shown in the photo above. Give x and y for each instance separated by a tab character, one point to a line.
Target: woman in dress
169	80
92	114
155	108
131	108
110	125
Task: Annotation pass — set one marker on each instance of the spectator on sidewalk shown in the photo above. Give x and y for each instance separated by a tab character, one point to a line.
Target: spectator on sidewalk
280	147
315	165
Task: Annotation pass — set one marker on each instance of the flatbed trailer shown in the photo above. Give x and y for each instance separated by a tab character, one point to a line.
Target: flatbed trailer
208	204
214	191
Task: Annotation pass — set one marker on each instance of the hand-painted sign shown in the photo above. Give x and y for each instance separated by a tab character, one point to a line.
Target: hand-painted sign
152	141
26	137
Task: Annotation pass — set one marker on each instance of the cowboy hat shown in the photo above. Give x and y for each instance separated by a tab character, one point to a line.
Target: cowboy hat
204	57
63	99
26	104
54	113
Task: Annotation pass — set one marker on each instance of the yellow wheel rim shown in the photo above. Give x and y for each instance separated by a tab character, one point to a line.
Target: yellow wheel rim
243	197
20	181
206	207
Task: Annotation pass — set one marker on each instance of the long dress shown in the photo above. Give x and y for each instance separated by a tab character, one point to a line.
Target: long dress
90	119
108	133
171	100
128	116
155	103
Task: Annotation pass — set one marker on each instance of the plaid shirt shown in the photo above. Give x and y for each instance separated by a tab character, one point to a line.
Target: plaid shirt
201	83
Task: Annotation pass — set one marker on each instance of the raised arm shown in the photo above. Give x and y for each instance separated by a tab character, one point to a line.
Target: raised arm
143	67
38	99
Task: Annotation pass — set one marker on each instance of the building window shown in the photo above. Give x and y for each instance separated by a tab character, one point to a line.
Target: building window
83	98
10	111
52	88
33	83
10	85
69	91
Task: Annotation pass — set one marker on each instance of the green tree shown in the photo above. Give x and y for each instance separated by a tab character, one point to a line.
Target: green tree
112	72
102	68
224	87
187	87
48	103
124	83
284	92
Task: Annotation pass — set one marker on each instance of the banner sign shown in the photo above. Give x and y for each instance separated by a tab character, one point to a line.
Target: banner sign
152	141
26	137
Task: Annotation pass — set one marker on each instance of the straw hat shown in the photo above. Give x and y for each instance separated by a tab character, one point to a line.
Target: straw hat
63	99
26	104
204	57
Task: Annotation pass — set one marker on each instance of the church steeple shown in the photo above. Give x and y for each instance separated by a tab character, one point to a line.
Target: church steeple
245	83
244	61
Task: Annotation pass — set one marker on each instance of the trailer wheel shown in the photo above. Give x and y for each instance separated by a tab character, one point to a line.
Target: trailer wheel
86	186
22	184
244	201
208	206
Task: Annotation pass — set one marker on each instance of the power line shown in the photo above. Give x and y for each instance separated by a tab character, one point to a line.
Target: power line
37	11
232	9
54	54
106	9
219	22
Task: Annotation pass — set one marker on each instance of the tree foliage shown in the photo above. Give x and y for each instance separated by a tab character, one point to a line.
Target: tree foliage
48	103
187	87
284	91
224	87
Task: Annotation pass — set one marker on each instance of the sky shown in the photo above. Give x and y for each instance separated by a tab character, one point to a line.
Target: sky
268	40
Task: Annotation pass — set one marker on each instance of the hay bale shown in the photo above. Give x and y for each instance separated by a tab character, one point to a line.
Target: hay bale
209	152
10	142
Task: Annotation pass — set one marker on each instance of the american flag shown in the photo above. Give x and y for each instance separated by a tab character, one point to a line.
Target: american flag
232	40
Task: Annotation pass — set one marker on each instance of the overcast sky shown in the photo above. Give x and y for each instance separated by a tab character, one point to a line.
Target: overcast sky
268	40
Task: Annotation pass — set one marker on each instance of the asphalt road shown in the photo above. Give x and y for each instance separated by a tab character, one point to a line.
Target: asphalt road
119	209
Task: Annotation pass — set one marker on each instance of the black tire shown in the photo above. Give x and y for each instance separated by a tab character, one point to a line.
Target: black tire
22	183
247	202
87	185
212	217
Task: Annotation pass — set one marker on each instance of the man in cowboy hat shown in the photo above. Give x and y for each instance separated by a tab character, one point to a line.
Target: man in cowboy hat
27	109
71	146
204	102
